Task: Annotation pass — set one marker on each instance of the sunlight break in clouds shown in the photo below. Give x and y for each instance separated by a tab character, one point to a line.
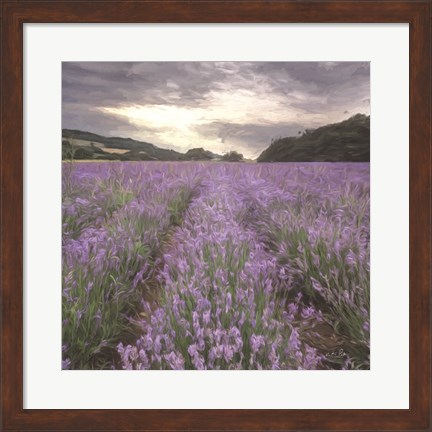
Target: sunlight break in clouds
176	124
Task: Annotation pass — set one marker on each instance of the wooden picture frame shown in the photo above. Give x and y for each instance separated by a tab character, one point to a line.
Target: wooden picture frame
16	13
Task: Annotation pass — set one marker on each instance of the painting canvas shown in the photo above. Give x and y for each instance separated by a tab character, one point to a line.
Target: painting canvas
215	215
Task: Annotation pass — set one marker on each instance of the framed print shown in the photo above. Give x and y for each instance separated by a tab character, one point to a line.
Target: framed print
216	215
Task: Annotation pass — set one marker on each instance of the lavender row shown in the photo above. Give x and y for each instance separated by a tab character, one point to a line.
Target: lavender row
106	266
219	305
316	222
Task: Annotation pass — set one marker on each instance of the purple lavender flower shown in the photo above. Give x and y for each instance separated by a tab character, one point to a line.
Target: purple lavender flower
237	282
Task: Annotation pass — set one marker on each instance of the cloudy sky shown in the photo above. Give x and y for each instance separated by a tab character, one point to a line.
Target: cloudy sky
220	106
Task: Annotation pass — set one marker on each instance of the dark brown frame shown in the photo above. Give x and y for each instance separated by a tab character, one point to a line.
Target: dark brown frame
15	13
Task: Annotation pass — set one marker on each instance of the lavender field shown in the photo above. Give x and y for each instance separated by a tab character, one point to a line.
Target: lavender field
195	265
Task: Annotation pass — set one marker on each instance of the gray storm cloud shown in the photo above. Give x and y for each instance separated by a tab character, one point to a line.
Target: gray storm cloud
221	106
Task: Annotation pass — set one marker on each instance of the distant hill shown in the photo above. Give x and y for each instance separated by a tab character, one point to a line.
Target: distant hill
347	141
232	156
201	154
87	145
78	145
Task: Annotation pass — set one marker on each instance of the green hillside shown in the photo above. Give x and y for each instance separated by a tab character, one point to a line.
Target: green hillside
347	141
